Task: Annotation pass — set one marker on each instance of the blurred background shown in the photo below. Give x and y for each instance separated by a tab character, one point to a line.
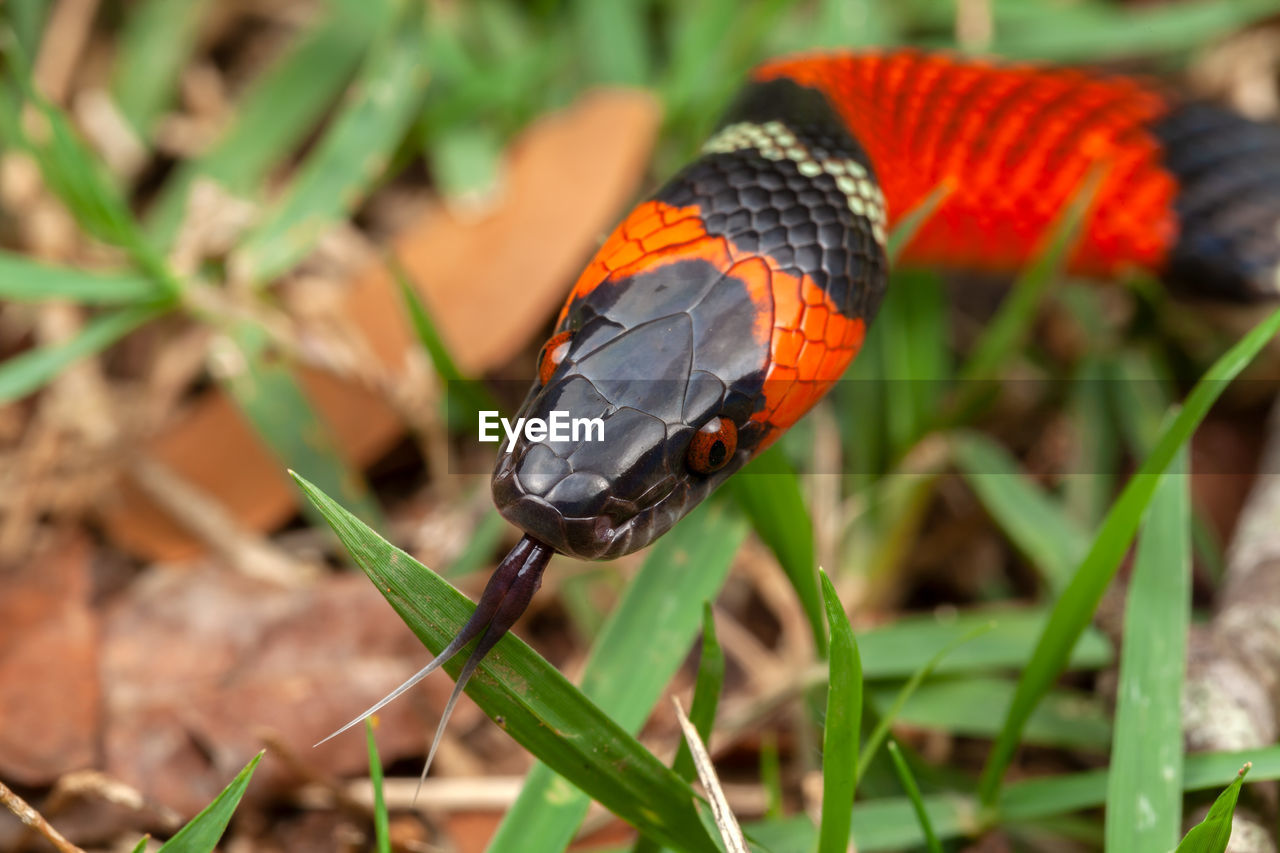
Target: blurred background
242	237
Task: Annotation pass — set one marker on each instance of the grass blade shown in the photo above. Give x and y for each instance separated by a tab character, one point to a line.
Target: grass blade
201	834
881	730
768	491
998	638
702	713
841	729
268	394
350	157
278	112
612	40
1097	33
706	692
910	224
74	174
26	280
27	17
642	644
1144	792
1075	607
157	38
464	398
918	362
1212	834
534	703
380	825
888	824
22	374
726	823
973	706
913	794
1029	517
1012	323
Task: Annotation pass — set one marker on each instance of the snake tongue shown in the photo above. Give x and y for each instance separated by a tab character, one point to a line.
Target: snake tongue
505	598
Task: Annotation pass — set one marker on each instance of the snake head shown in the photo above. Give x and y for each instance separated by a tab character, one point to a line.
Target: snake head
660	373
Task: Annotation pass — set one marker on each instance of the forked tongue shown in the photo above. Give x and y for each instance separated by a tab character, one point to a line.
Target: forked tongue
505	598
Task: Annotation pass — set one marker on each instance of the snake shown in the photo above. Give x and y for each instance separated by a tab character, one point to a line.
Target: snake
724	307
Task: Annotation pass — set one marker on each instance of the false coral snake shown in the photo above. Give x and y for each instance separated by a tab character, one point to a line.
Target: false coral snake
723	308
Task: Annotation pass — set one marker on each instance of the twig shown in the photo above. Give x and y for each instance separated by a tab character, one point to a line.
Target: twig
202	516
730	832
32	818
1232	695
65	37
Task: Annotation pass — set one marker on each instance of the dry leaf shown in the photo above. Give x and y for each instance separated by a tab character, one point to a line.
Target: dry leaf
195	664
49	690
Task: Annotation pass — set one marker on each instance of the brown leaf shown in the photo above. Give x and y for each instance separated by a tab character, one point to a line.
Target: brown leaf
489	283
49	689
196	664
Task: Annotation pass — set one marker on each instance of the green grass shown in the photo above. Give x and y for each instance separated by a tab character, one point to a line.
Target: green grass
202	832
1212	834
369	88
702	712
840	729
381	833
535	703
644	639
913	794
768	492
889	823
1076	605
352	156
1144	795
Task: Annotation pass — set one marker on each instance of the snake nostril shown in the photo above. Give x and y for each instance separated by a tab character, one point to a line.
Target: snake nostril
604	529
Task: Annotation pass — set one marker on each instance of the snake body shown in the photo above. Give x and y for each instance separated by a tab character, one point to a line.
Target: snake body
724	307
743	289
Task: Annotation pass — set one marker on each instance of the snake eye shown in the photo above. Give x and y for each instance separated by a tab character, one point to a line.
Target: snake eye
712	446
553	352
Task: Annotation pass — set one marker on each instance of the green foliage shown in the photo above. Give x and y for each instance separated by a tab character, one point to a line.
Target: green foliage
464	398
352	156
702	713
26	280
535	704
381	833
642	643
840	730
29	371
881	731
1076	605
201	834
268	394
1212	834
1035	521
367	84
890	824
154	44
768	491
913	794
279	109
1144	796
706	692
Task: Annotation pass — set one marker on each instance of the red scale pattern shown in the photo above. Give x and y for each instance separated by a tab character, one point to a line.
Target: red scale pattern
810	341
1013	144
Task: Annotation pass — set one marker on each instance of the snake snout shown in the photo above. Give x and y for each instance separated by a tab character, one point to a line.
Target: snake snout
573	511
